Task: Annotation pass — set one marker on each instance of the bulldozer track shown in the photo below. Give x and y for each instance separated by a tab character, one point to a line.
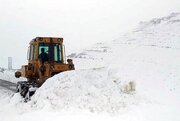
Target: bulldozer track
7	85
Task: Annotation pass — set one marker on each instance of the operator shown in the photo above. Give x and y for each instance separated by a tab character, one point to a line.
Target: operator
43	56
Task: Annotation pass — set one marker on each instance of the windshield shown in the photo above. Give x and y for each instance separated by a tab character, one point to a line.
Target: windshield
53	50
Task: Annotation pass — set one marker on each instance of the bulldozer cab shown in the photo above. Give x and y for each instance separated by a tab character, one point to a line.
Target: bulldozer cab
48	52
54	51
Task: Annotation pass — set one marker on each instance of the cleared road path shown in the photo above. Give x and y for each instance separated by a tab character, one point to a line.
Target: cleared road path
7	85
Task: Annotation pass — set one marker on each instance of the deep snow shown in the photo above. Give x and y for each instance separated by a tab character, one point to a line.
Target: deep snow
99	88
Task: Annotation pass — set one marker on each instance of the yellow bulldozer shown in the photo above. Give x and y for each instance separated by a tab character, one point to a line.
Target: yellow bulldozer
46	57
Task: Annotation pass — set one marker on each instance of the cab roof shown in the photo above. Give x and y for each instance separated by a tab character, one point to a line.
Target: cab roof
46	40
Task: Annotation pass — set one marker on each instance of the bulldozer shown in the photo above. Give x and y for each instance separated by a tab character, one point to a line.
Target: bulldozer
46	57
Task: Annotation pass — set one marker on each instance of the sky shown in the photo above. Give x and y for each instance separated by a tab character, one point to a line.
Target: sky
81	23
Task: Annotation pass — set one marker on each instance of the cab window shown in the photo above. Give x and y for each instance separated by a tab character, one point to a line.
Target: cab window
57	53
54	51
46	49
31	52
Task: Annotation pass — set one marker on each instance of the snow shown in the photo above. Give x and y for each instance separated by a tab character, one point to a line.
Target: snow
9	75
86	90
133	78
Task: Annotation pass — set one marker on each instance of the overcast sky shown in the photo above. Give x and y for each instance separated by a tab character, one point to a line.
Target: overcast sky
80	22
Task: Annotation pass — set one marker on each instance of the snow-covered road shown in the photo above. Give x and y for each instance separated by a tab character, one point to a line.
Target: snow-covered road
7	85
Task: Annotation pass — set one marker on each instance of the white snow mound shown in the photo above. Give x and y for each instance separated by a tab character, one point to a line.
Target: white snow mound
94	89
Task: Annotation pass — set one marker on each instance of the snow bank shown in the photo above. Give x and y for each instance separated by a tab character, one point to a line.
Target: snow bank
93	89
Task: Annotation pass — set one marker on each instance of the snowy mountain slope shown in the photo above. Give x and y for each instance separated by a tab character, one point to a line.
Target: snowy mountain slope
160	32
148	57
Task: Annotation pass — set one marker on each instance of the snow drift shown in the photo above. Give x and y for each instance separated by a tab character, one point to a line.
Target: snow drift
93	89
